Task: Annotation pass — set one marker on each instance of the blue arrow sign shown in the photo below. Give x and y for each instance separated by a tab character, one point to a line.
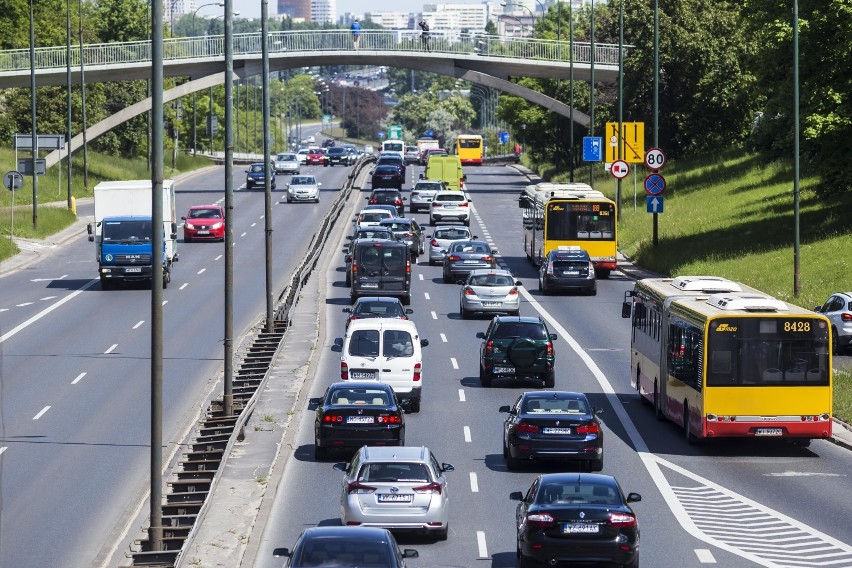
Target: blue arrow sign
380	134
654	204
592	149
504	137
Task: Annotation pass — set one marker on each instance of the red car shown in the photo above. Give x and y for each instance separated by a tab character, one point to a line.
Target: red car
315	156
204	222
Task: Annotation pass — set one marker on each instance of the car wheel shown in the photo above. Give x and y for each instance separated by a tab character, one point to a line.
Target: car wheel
447	279
485	376
289	200
166	280
596	465
107	284
348	279
412	210
442	534
550	379
467	222
603	273
463	312
515	313
687	433
320	453
634	563
415	405
593	292
406	300
505	450
835	350
187	239
512	464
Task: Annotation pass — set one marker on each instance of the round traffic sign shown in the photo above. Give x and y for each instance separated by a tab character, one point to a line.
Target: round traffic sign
619	169
13	180
654	184
655	159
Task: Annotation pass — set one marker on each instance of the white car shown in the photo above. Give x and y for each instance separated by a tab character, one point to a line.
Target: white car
286	163
303	188
838	309
442	238
302	155
451	205
372	217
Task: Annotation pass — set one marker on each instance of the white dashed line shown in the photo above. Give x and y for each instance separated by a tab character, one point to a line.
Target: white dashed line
705	556
474	484
426	295
40	414
443	338
461	395
480	543
467	434
184	285
253	224
244	234
202	271
420	276
46	298
3	449
434	316
139	324
165	302
47	310
24	304
454	363
77	380
114	345
4	310
218	257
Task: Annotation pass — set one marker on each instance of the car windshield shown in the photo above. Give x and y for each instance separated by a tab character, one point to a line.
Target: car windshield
555	406
578	494
491	280
358	396
394	471
378	309
333	551
364	343
302	180
452	234
508	330
286	157
256	168
205	214
450	197
126	231
336	150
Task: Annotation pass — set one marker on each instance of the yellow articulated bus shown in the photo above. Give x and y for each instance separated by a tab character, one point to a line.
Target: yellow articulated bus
469	149
724	360
569	215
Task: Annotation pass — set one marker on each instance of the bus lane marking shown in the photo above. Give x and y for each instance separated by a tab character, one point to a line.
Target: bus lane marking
41	413
77	380
705	556
139	324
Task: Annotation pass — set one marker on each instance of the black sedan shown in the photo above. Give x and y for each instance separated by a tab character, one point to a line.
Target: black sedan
407	231
576	518
552	425
370	547
352	414
463	257
388	197
387	176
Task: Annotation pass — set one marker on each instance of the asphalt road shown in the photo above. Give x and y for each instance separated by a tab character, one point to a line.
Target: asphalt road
729	503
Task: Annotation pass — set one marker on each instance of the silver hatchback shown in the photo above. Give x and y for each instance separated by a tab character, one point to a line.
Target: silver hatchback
442	238
490	291
397	488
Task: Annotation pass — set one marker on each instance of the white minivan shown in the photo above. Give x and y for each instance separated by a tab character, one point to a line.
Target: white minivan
388	351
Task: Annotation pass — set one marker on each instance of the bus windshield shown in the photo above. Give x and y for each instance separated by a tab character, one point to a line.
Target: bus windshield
578	221
470	142
759	351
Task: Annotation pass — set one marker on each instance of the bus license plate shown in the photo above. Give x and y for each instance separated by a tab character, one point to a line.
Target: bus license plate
768	432
571	528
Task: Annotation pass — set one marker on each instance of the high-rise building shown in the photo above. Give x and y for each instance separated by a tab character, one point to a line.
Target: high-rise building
471	17
173	9
324	11
392	20
295	8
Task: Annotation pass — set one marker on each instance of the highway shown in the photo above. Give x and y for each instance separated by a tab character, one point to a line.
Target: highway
729	503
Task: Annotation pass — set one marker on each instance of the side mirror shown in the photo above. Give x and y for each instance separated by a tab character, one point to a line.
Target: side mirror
475	236
348	258
347	310
633	498
174	228
89	230
409	311
319	185
405	199
183	218
480	335
341	466
505	408
279	552
816	309
553	337
314	402
516	496
246	171
410	553
518	283
424	343
625	309
596	410
338	342
494	251
447	467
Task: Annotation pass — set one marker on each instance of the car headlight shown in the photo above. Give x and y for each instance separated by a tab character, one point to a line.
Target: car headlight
190	226
217	225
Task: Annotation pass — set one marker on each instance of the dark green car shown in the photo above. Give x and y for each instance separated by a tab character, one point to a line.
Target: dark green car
516	347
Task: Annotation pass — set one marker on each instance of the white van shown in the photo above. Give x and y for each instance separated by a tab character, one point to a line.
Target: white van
388	351
395	146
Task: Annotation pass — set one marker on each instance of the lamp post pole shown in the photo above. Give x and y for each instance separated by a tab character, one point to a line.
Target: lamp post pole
571	91
592	88
33	109
268	173
654	238
228	395
796	249
68	89
620	99
83	104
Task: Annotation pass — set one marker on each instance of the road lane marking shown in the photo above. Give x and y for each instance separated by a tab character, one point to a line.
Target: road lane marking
443	338
114	345
434	316
165	302
184	285
253	224
218	257
139	324
244	234
467	434
705	556
3	449
426	295
4	310
420	276
24	304
201	271
454	363
41	413
480	542
474	484
461	395
46	298
77	380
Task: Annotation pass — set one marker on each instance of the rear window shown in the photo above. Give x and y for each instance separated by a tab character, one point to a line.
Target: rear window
579	494
374	217
364	343
434	186
452	234
389	258
334	551
469	247
450	197
397	343
571	265
359	396
491	280
394	471
555	406
520	329
389	309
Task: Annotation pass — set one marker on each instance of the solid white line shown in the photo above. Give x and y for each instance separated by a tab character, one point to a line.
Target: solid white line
218	257
46	298
705	556
40	414
467	434
480	542
114	345
443	338
434	316
138	324
77	380
201	271
4	310
426	295
474	484
184	285
461	395
454	363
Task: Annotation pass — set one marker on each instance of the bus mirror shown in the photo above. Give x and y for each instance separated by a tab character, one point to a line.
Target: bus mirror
523	202
625	309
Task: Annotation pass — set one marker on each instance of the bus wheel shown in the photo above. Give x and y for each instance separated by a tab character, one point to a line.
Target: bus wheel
603	273
658	410
687	434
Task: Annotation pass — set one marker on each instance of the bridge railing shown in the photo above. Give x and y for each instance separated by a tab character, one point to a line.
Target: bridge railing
183	48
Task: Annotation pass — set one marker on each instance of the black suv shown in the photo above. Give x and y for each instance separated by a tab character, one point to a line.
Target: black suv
517	347
338	155
567	270
388	197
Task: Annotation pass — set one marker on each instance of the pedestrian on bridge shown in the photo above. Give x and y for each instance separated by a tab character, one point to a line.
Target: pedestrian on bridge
424	36
355	28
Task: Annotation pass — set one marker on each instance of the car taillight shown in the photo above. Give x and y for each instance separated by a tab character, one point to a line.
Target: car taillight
344	371
436	204
331	418
588	429
354	267
358	487
622	520
591	266
372	201
540	520
408	234
463	204
468	291
513	292
549	348
414	194
846	317
489	347
418	369
455	257
488	258
550	269
526	428
388	419
408	267
397	201
434	243
429	488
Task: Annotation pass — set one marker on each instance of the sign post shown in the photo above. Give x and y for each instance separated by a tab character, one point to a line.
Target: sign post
12	181
655	184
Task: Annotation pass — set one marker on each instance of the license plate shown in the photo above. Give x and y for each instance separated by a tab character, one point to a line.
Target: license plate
203	232
556	430
359	419
137	269
449	207
571	273
395	497
369	285
471	262
363	375
504	370
571	528
491	304
768	432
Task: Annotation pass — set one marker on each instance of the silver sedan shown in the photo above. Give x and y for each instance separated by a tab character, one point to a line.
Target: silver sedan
442	238
490	291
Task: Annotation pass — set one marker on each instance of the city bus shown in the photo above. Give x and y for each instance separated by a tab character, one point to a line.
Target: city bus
469	149
569	214
724	360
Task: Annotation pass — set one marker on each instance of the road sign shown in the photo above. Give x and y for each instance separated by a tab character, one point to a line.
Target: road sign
592	149
13	180
654	204
504	137
25	166
380	135
655	159
631	140
619	169
395	131
655	184
429	132
44	141
326	119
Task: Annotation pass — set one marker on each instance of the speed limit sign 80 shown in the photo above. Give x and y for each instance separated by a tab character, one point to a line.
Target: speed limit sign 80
655	159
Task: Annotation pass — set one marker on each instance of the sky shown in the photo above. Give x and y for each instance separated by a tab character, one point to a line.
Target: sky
251	8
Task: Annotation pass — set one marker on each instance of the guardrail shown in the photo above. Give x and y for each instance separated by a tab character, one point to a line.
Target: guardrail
295	42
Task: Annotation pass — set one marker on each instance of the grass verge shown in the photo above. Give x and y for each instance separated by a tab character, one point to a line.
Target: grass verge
843	395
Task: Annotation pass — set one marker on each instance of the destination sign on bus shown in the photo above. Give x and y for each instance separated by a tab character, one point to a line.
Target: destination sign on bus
581	208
